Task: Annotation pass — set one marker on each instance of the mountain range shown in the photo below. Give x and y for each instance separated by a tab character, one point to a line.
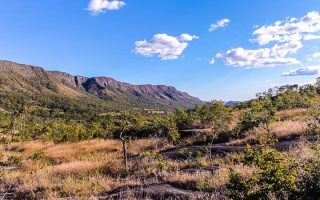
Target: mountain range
36	86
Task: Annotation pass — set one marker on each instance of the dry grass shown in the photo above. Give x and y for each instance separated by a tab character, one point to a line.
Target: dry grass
288	128
138	146
201	180
27	148
302	152
81	169
292	114
281	130
75	167
66	186
67	152
3	110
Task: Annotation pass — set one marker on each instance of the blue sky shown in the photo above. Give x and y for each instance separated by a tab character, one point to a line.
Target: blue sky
141	42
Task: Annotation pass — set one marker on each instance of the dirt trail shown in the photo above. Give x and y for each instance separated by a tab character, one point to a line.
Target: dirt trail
219	149
158	192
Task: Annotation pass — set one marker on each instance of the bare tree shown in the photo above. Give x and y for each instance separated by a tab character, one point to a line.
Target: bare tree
125	124
124	149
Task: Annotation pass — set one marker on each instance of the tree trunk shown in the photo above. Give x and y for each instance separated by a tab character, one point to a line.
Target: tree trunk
124	149
125	155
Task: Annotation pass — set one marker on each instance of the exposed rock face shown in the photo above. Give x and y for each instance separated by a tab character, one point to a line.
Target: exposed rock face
102	87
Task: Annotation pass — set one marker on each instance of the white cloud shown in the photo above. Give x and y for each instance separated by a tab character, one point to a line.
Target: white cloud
263	57
287	37
311	37
219	24
99	6
186	37
303	71
316	56
212	61
291	29
164	46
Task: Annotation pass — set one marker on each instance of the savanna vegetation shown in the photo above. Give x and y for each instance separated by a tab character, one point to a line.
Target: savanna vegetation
266	148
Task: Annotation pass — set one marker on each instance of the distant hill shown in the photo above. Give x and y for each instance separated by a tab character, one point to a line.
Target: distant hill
35	86
232	103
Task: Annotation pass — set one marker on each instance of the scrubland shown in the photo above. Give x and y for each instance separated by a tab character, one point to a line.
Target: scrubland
93	168
266	148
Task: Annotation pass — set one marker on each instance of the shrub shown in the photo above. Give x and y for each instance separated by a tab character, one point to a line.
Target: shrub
260	113
14	160
313	128
41	158
309	184
275	175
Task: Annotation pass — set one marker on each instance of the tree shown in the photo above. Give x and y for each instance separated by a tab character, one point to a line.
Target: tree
127	123
171	126
260	113
220	117
215	116
184	120
124	124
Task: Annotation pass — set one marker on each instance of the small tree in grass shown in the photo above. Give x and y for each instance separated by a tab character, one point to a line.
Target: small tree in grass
274	175
124	123
261	113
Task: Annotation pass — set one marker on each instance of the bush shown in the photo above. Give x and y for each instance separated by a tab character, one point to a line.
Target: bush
41	158
260	113
275	175
309	184
14	160
313	128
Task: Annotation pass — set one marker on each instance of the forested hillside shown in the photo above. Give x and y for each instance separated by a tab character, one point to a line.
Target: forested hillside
33	86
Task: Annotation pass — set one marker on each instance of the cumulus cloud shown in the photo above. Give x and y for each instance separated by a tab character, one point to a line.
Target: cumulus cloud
164	46
219	24
291	29
303	71
284	38
99	6
212	61
262	57
187	37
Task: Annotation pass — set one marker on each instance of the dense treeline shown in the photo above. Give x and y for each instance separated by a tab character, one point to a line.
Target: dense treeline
28	125
289	96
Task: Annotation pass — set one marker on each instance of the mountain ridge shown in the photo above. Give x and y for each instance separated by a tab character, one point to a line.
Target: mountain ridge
34	80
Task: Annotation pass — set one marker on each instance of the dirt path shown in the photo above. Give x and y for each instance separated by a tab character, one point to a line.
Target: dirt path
158	192
219	149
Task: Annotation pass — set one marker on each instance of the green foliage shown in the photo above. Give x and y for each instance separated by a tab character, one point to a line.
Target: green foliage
215	116
41	158
185	120
309	184
292	96
23	125
313	127
156	163
14	160
220	117
275	175
260	113
5	120
239	188
173	134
